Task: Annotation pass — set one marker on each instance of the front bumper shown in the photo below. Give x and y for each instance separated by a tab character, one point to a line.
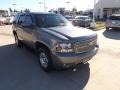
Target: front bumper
113	26
69	60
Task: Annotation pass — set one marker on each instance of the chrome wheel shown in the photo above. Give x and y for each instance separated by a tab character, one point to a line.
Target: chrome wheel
43	60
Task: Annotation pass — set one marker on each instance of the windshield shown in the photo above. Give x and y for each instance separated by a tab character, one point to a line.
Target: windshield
50	20
114	17
83	18
67	17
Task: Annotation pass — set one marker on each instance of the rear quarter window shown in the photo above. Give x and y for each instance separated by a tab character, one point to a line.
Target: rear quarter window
16	18
21	19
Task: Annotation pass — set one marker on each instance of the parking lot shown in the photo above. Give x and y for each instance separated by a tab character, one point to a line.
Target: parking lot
20	69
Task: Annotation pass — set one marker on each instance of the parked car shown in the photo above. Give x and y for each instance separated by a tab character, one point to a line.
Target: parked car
113	21
69	18
5	20
83	21
1	22
58	43
11	20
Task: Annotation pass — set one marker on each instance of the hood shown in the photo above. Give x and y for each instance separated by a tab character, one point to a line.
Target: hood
72	32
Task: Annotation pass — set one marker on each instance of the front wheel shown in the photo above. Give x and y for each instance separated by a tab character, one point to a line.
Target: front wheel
45	59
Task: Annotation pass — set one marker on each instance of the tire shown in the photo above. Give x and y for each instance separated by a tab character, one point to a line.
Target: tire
107	28
17	41
45	60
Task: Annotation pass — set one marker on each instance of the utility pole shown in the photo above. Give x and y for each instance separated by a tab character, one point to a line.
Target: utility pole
94	11
40	3
93	24
68	7
14	6
44	5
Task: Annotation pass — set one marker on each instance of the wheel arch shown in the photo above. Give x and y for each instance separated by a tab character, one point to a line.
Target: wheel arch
14	33
39	44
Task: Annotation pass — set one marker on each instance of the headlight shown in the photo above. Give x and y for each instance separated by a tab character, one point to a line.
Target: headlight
63	47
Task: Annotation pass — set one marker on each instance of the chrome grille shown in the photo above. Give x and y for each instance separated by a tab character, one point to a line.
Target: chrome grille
84	46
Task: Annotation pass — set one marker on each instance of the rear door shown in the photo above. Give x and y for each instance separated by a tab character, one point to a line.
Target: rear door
20	28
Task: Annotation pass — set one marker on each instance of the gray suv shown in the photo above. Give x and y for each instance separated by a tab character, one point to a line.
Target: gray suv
113	22
58	43
82	21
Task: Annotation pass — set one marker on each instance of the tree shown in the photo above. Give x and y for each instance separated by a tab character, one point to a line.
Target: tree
15	10
27	10
74	9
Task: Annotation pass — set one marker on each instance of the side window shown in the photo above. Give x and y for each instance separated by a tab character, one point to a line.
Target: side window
28	19
40	20
21	19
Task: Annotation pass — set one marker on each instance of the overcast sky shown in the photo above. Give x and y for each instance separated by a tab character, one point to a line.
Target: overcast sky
34	6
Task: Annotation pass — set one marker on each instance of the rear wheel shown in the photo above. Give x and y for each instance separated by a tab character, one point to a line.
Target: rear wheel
17	41
45	59
107	28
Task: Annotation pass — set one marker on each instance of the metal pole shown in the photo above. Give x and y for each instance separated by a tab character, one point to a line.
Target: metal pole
94	11
14	6
44	6
93	24
40	6
68	7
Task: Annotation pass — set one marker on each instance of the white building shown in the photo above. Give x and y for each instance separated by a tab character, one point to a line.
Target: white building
104	8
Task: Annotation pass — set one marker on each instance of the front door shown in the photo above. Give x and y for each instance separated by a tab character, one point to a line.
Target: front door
28	31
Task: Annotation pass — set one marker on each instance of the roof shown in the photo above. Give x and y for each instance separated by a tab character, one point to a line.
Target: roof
68	16
82	16
37	13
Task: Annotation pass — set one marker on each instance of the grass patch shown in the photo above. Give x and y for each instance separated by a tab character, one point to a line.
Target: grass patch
100	25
